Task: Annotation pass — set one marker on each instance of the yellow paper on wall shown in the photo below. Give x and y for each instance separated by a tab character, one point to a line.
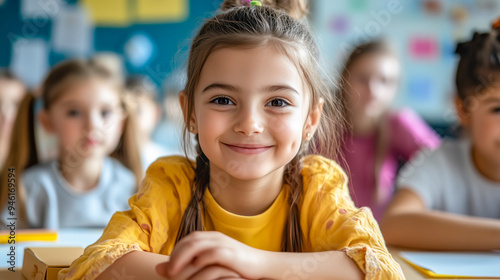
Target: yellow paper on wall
108	12
161	10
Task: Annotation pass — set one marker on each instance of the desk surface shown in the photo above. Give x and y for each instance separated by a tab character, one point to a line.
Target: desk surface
410	272
89	236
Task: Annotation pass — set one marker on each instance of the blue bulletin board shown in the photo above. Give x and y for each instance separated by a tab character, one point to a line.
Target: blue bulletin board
152	36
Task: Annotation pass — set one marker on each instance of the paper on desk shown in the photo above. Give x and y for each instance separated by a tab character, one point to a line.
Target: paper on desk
457	264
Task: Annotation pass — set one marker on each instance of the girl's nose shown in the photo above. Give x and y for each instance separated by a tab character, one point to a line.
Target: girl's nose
249	122
93	122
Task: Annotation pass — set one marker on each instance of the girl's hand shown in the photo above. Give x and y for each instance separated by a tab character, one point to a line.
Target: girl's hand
212	272
204	249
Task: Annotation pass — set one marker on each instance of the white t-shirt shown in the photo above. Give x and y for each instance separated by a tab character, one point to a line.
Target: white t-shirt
447	180
51	203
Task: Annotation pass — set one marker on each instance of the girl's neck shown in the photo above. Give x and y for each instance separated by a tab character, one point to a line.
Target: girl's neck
490	170
363	126
82	175
245	197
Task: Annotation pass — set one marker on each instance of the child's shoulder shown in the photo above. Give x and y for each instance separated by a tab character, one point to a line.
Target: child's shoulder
317	169
168	177
117	169
450	150
42	171
171	166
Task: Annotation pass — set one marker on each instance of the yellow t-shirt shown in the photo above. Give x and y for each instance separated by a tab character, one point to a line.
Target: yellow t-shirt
329	220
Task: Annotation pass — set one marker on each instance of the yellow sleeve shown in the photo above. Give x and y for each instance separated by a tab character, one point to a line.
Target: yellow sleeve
331	222
150	225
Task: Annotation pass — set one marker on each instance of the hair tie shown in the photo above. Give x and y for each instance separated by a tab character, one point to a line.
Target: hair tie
251	3
496	24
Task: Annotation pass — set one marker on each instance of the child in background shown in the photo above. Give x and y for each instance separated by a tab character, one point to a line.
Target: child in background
141	92
169	130
12	91
449	199
255	204
379	138
112	62
83	106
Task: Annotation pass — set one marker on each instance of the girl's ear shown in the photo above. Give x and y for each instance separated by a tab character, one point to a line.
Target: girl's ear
462	112
189	121
44	119
313	119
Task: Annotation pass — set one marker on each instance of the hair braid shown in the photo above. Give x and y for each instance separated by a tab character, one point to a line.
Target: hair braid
192	220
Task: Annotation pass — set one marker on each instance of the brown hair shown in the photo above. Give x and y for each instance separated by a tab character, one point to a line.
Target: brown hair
141	86
294	8
253	27
9	76
479	64
23	152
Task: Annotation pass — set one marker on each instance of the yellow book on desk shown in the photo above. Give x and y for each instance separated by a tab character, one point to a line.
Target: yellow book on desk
455	264
27	235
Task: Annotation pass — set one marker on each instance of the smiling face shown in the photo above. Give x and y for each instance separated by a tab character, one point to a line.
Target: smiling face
87	119
250	112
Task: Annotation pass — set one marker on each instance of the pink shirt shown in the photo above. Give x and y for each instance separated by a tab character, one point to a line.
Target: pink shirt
408	133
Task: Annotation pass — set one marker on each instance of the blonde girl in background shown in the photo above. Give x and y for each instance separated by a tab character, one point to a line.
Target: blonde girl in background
379	138
98	166
256	204
12	91
449	199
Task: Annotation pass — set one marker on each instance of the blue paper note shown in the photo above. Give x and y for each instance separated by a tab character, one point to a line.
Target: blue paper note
472	264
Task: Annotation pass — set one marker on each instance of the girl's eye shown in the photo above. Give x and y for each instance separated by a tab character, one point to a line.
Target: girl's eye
496	110
277	103
106	113
222	101
74	113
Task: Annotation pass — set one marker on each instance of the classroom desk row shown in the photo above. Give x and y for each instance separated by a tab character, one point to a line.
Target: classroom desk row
80	237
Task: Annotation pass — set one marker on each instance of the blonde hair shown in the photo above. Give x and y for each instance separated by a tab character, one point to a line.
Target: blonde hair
263	26
23	152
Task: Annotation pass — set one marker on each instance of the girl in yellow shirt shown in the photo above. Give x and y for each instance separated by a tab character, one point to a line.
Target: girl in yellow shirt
254	205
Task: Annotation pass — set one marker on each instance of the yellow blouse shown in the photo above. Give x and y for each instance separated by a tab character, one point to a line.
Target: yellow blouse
329	220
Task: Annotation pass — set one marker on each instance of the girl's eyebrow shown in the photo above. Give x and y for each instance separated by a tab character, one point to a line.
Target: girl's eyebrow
70	103
236	89
492	100
281	87
220	86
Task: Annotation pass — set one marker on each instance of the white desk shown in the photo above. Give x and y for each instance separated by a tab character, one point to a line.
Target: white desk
410	272
65	238
85	237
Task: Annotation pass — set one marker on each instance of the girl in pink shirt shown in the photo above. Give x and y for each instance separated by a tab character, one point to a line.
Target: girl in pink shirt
379	138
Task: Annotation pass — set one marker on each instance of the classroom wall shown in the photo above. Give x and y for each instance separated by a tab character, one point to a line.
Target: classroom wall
424	32
151	35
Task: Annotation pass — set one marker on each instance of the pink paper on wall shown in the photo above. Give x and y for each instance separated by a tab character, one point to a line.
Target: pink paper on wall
421	47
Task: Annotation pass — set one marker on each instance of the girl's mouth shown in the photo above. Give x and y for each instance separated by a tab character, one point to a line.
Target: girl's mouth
248	149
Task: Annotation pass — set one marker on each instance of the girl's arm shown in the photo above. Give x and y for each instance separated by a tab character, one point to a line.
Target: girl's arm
319	265
205	249
134	265
408	223
144	265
